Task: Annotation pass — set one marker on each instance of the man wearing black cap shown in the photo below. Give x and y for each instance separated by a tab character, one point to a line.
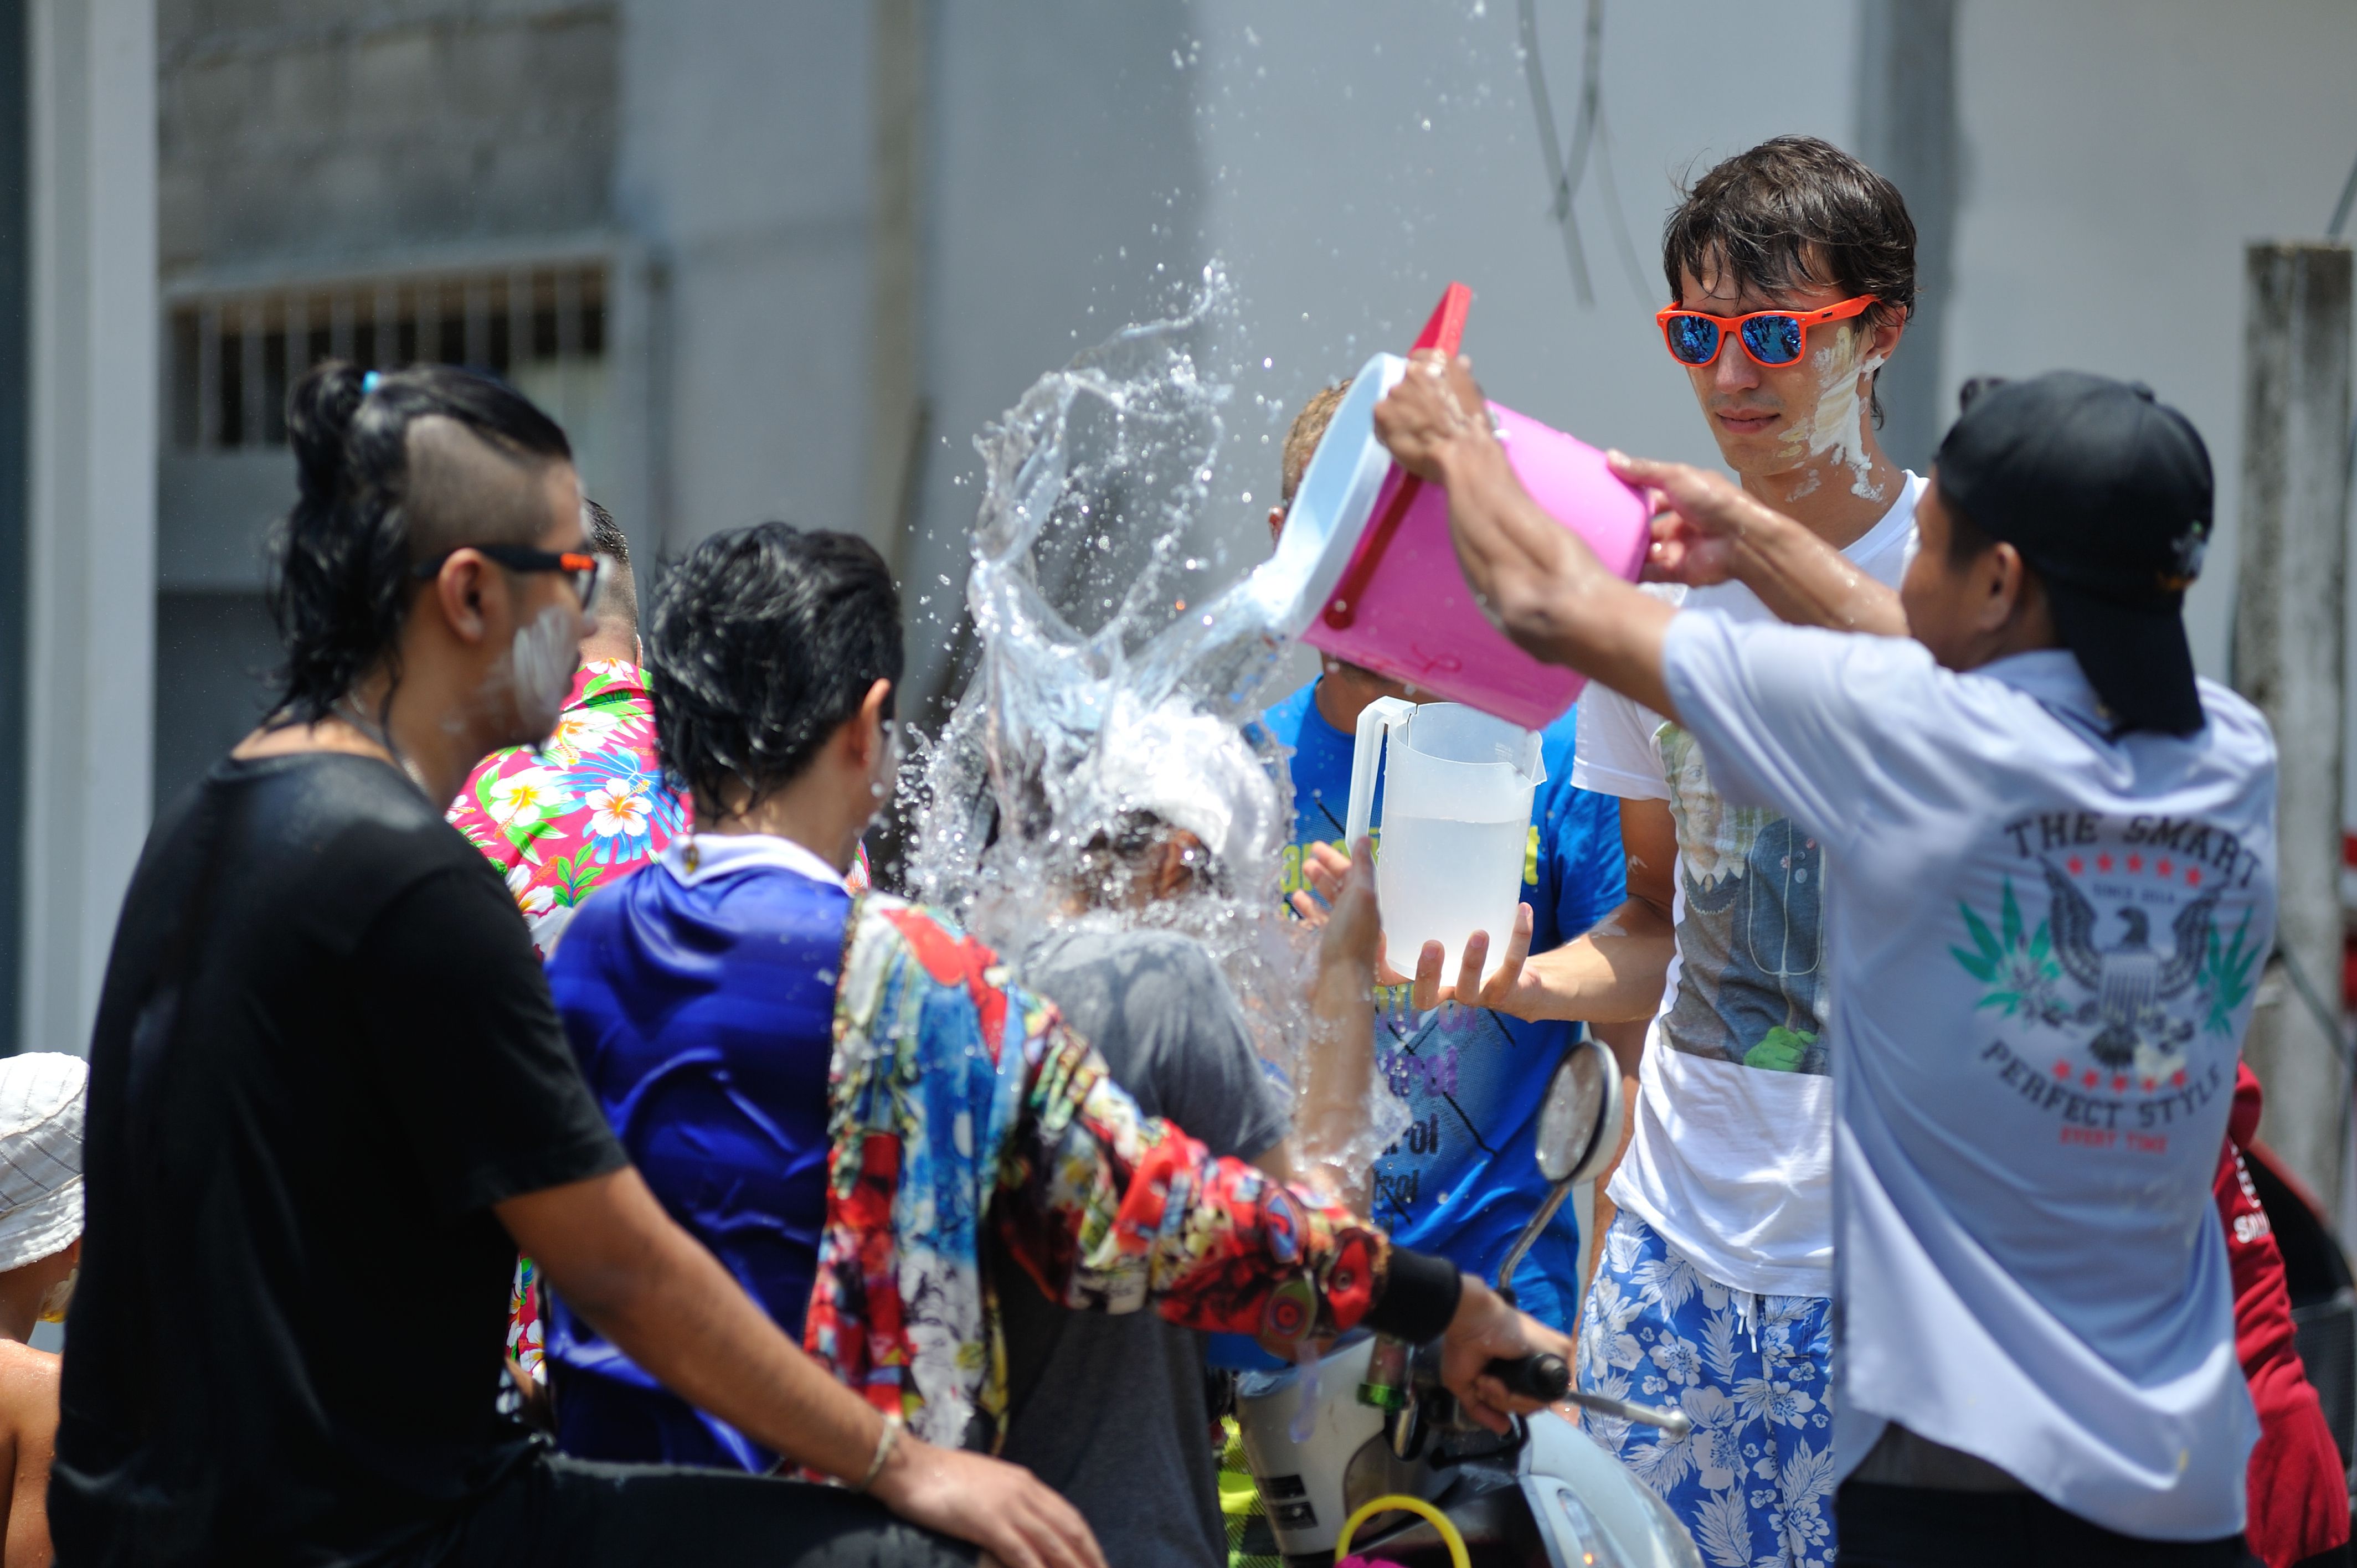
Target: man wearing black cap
2052	852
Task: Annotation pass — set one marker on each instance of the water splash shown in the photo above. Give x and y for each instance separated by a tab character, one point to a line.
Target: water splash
1093	632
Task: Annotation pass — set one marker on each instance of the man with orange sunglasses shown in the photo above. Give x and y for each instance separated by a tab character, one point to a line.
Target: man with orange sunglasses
1791	271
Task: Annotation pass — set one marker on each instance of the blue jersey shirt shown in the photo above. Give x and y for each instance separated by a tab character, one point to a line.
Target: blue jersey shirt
699	997
1464	1178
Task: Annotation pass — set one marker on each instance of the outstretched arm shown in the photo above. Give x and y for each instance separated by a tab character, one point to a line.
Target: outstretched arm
1338	1064
1705	530
1106	1209
1538	581
1614	971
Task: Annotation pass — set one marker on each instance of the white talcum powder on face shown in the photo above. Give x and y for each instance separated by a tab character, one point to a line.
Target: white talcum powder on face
542	660
1836	428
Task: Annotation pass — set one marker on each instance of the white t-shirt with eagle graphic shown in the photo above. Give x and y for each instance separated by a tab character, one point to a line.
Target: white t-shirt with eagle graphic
1731	1156
2043	944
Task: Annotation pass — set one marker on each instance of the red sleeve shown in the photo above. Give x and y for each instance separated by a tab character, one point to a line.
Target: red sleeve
2299	1496
1114	1210
2242	1120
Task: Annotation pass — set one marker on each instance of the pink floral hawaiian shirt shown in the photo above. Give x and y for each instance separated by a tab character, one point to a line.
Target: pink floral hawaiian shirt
585	808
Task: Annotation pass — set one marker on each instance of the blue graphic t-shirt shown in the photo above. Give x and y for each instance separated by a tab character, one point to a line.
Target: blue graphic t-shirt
1464	1177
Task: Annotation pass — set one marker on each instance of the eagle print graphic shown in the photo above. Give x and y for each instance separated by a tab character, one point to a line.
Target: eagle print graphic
2129	978
2093	970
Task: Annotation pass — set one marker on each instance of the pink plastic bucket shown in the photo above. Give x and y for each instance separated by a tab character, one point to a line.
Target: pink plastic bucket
1408	613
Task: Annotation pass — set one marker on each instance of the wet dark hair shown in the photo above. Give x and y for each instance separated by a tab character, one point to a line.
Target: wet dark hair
340	583
758	646
1796	210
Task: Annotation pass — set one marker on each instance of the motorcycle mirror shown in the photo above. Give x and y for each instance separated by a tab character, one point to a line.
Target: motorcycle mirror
1579	1126
1580	1118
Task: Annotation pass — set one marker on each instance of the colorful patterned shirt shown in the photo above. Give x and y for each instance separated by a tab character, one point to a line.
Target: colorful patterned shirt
583	810
956	1097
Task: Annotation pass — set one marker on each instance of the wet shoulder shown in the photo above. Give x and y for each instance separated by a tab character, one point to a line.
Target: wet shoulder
316	801
28	1395
1130	970
335	837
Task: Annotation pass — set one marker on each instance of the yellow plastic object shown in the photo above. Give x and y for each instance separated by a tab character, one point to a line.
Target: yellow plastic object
1400	1502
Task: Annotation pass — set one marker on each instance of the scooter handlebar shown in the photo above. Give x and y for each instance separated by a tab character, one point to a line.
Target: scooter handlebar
1544	1377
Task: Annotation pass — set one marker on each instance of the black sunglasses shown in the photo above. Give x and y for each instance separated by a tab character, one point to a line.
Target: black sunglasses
580	567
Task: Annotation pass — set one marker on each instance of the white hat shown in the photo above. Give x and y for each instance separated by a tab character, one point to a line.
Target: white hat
1194	772
42	1094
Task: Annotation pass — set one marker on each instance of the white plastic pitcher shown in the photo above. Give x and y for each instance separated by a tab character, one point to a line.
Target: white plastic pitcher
1457	820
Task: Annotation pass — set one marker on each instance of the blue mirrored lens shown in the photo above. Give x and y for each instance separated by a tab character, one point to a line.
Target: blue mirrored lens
1693	339
1773	339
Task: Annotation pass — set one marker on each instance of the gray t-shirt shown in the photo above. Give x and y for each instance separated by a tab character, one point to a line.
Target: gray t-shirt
1119	1399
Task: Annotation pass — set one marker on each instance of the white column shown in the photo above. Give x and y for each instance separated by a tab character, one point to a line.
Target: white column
90	582
896	391
2290	617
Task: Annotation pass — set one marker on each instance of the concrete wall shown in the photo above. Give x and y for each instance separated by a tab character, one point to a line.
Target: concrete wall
298	128
744	167
302	137
91	557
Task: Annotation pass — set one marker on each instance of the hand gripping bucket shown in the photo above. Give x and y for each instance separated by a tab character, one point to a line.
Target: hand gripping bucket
1364	569
1456	819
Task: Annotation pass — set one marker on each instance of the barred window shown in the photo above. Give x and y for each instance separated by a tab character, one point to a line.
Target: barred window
234	353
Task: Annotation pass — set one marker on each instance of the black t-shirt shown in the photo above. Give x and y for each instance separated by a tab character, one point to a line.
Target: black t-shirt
324	1051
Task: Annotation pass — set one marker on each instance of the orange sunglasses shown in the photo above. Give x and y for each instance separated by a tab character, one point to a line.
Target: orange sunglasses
1772	338
579	569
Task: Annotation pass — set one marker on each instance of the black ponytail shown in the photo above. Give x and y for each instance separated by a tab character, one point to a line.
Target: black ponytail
339	585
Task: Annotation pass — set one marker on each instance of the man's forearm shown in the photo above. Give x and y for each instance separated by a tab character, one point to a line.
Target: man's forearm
699	1335
1605	977
1806	582
1612	973
666	1302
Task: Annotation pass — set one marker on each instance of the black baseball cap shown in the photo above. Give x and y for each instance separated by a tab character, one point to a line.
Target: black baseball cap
2107	494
